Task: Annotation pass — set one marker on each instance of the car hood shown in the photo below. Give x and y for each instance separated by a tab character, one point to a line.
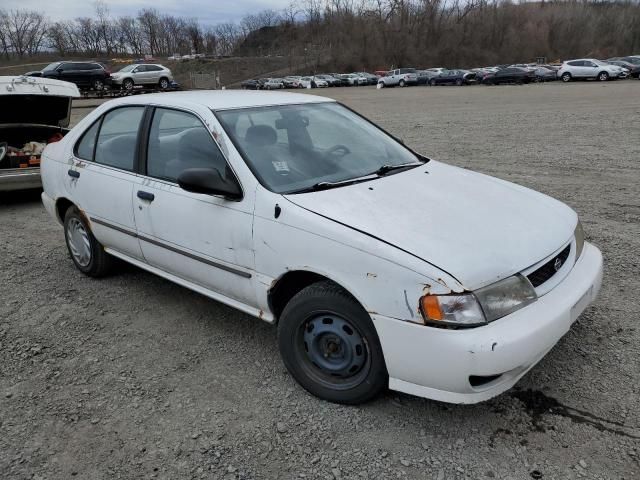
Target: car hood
476	228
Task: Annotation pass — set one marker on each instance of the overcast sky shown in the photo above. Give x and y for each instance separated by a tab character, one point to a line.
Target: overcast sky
207	11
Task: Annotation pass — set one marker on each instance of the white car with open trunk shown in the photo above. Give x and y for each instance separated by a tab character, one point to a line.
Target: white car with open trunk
33	112
380	266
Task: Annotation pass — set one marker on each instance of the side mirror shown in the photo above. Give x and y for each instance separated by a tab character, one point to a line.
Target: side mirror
208	181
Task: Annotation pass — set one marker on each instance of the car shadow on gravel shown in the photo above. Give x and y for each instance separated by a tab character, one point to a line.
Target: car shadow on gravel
20	197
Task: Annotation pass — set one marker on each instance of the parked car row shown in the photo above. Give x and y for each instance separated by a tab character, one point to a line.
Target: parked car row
312	81
584	68
95	76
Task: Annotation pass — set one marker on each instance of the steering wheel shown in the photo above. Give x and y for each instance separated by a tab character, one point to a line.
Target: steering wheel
338	151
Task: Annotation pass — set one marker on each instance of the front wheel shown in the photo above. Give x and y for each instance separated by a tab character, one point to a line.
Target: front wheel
603	76
330	346
566	77
432	82
128	84
459	82
402	83
87	253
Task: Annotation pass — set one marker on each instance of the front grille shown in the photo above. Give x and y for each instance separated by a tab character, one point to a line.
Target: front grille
549	269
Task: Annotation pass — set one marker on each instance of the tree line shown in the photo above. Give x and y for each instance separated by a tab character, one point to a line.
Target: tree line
348	33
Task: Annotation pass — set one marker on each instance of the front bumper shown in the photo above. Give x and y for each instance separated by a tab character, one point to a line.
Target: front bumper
438	363
20	179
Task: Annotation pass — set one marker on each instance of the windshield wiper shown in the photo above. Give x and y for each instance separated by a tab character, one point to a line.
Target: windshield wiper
327	185
380	172
384	169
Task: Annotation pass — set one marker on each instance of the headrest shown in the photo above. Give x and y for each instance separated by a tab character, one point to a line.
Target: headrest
261	135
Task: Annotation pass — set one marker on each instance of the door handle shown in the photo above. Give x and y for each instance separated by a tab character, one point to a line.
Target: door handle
73	173
146	195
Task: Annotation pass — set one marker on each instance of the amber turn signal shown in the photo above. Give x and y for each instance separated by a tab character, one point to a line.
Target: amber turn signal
431	307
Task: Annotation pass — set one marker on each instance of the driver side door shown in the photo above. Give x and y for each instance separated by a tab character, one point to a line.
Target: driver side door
204	239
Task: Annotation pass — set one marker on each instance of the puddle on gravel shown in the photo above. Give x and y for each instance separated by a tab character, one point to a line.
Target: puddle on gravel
538	404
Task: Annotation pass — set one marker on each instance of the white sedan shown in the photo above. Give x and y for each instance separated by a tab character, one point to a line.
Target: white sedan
380	266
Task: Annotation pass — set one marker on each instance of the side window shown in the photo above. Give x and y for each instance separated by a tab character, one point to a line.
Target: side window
84	147
178	141
118	137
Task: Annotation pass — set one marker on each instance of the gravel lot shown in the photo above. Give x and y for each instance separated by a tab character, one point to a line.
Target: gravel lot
134	377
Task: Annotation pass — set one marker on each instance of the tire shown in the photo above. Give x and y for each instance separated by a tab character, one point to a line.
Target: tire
381	84
603	76
127	84
163	84
342	362
402	83
566	77
459	82
86	252
432	82
98	85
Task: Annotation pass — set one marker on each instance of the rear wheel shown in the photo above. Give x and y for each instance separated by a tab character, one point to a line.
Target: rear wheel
459	82
432	82
163	84
98	85
87	253
566	77
330	346
603	76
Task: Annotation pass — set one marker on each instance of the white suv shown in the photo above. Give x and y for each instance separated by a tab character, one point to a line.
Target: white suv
143	74
590	68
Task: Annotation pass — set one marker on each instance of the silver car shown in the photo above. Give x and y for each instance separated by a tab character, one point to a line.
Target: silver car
145	74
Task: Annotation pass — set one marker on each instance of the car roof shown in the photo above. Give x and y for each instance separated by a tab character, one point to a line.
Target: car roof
222	99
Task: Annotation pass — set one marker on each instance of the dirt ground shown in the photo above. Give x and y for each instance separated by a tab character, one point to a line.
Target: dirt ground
134	377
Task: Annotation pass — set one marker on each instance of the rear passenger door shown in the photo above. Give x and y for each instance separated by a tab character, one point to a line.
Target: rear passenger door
204	239
101	179
578	69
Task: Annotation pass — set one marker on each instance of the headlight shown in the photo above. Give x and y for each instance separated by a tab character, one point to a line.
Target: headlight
505	297
457	310
480	307
579	234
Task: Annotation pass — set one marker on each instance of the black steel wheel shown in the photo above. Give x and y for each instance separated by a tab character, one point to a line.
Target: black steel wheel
330	346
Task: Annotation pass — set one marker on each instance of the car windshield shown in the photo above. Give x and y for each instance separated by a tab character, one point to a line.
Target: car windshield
51	66
292	148
128	68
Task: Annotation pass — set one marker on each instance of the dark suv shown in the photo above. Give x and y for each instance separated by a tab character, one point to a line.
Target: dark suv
85	75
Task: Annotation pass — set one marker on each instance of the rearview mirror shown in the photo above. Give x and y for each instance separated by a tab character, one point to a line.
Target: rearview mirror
209	181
